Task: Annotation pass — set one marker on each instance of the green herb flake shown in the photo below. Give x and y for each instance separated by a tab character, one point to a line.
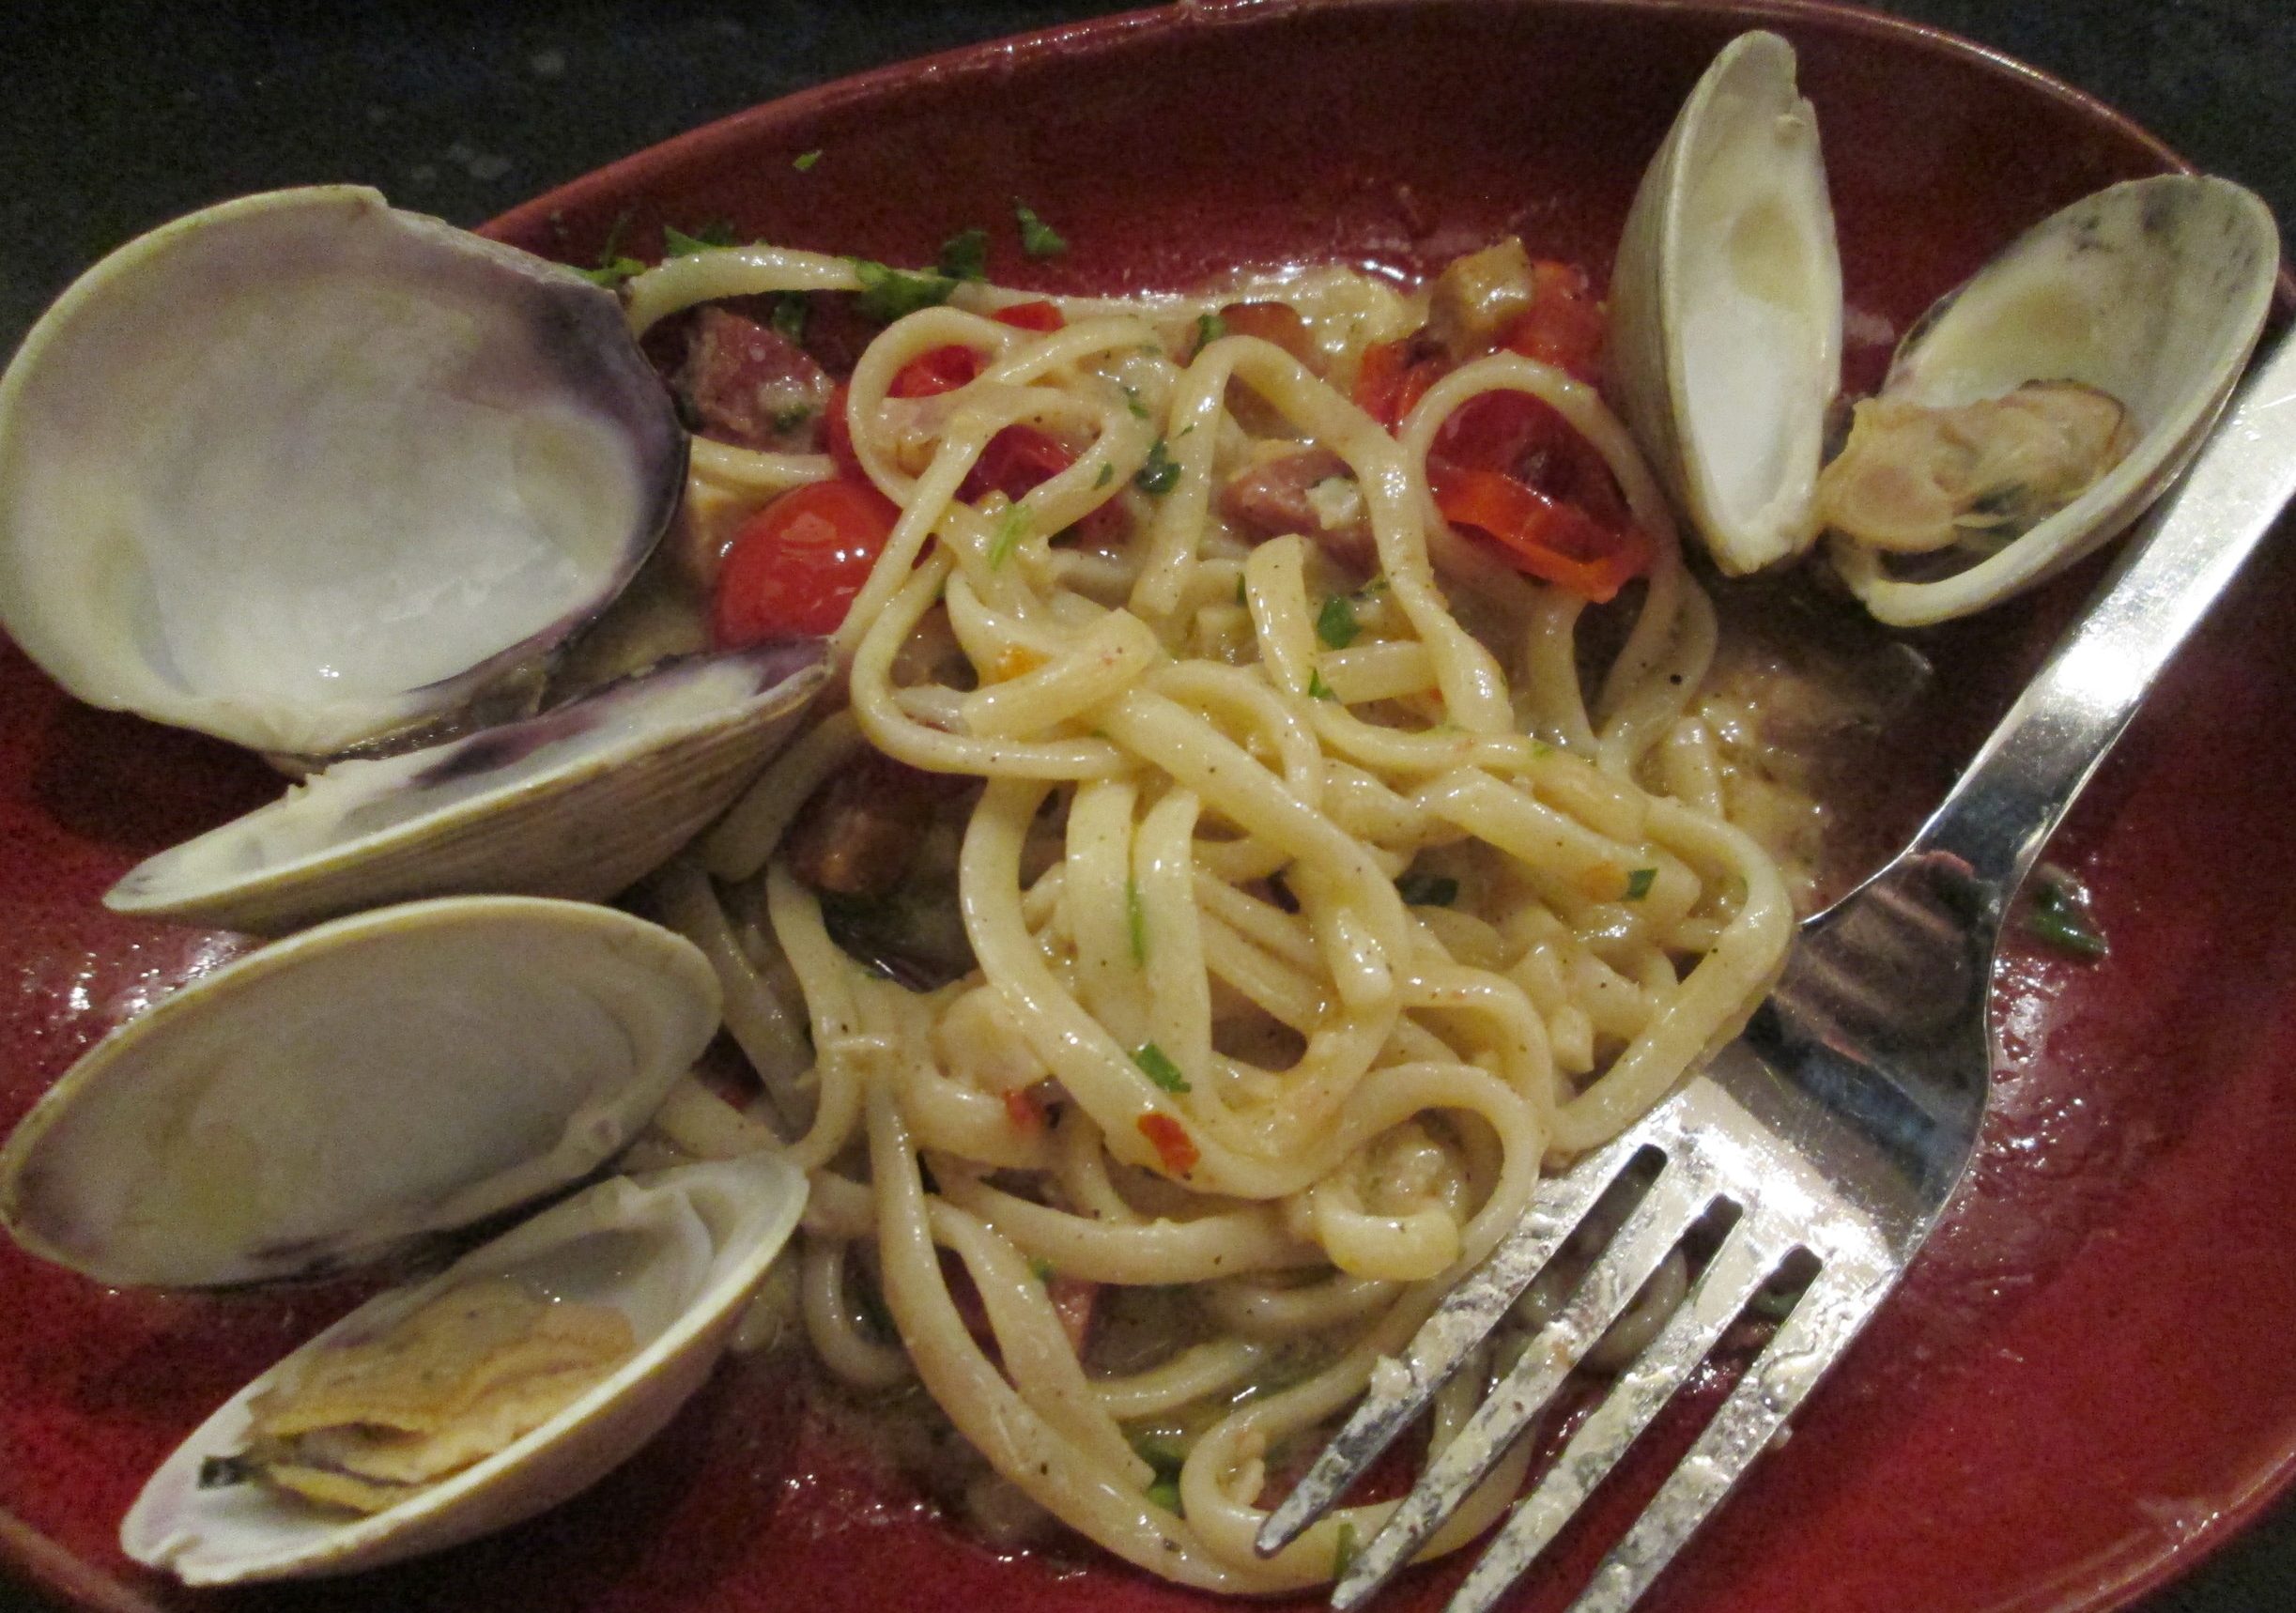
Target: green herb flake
1160	474
1157	1067
1335	622
1132	401
792	417
613	272
1640	882
1040	1269
886	294
1164	1492
1427	890
1210	327
1343	1550
1135	921
965	255
1038	238
1242	595
789	315
2058	917
1010	531
677	243
1317	688
804	161
1108	474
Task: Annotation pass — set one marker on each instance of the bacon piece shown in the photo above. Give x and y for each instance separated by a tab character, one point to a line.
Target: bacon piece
856	834
1273	497
746	384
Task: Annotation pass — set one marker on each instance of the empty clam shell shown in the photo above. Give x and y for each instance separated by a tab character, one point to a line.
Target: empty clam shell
1726	307
676	1252
301	469
579	802
329	1097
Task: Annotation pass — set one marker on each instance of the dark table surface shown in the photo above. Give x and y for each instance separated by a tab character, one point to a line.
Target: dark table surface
116	116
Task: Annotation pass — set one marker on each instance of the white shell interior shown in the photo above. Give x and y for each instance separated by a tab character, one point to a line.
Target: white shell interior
332	1096
677	1252
538	806
289	470
2154	290
1726	307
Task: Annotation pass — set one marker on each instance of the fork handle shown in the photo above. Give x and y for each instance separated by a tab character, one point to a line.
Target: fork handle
2009	799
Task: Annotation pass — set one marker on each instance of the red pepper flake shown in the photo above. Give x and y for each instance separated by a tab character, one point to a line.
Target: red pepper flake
1174	1146
1025	1110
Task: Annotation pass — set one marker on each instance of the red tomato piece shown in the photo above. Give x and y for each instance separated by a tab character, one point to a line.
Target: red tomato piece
1542	535
1037	316
1520	436
1174	1146
1563	326
1017	459
794	566
1390	382
936	371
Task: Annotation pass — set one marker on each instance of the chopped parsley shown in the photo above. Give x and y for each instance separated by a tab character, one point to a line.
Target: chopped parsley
1210	327
1038	238
1108	474
1132	401
2058	916
789	314
791	418
965	255
1343	1550
1135	921
1317	688
1427	890
1010	531
1160	474
1242	595
1640	882
1040	1269
614	265
1335	622
886	294
1166	1456
806	160
1157	1067
677	243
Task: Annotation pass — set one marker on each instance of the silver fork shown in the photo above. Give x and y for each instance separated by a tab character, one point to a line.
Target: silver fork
1836	1126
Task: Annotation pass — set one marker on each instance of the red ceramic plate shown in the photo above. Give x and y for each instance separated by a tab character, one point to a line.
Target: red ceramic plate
2086	1379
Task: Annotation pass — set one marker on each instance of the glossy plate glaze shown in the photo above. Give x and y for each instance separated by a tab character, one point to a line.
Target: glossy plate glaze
2086	1378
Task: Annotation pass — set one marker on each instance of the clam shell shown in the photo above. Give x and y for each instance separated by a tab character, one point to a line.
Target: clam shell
301	470
678	1251
330	1097
579	802
2154	291
1725	340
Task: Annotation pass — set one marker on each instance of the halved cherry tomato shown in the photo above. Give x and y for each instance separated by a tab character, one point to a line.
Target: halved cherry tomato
1037	316
1393	376
936	371
1020	458
1563	324
794	566
1544	536
1520	436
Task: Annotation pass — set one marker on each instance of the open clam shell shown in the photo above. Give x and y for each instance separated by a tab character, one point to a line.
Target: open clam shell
330	1097
677	1252
301	470
2154	292
579	802
1726	307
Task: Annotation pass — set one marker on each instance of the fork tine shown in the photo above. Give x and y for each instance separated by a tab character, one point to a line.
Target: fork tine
1823	1321
1677	1198
1739	1267
1449	1337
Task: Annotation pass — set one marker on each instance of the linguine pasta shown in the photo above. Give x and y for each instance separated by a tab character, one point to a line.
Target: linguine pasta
1298	951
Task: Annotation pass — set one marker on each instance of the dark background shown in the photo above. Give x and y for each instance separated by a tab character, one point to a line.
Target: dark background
115	117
